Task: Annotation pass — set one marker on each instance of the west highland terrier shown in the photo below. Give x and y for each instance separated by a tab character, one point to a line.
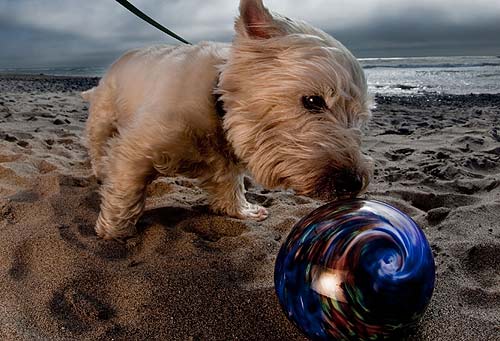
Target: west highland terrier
285	102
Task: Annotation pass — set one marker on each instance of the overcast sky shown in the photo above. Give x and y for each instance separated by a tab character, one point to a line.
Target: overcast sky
36	33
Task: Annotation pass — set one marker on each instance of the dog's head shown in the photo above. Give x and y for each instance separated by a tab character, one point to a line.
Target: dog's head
295	99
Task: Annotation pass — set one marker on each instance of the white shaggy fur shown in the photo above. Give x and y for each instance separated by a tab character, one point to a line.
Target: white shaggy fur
153	113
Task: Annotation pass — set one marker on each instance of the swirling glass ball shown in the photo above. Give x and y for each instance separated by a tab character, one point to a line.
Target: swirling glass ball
354	270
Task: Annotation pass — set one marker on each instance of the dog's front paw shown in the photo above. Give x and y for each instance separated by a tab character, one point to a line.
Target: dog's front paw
253	212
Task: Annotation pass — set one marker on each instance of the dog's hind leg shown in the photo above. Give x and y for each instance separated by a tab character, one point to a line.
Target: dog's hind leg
123	192
100	127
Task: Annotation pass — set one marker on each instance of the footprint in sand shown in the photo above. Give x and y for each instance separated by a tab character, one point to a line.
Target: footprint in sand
479	297
20	263
24	197
399	154
436	215
475	186
213	228
483	163
7	214
482	262
76	207
427	201
81	306
83	237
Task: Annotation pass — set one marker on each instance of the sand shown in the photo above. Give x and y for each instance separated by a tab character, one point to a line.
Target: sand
192	275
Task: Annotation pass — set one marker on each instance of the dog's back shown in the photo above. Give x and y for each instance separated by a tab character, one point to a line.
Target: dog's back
159	77
152	84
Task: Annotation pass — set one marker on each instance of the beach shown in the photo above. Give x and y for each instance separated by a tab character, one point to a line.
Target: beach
193	275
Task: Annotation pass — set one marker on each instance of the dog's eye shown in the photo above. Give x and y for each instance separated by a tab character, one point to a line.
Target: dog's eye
314	103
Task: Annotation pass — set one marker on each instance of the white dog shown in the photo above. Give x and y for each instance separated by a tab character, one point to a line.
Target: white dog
291	100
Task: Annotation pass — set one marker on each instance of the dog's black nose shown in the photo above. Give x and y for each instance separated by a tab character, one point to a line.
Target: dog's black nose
347	182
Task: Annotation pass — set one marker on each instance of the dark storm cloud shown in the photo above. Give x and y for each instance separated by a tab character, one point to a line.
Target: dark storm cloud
87	33
423	33
23	45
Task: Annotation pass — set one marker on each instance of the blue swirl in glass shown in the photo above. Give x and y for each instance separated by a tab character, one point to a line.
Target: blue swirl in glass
355	270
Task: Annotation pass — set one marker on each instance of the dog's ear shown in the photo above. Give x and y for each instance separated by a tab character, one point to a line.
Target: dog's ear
255	21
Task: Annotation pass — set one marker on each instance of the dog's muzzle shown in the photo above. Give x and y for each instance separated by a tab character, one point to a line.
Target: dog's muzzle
340	184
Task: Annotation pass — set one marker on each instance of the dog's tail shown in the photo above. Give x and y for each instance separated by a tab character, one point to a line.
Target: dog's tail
87	95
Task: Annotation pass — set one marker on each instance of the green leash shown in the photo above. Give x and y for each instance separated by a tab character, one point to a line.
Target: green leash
150	21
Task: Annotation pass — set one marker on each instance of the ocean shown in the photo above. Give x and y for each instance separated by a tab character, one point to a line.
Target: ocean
422	75
386	76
